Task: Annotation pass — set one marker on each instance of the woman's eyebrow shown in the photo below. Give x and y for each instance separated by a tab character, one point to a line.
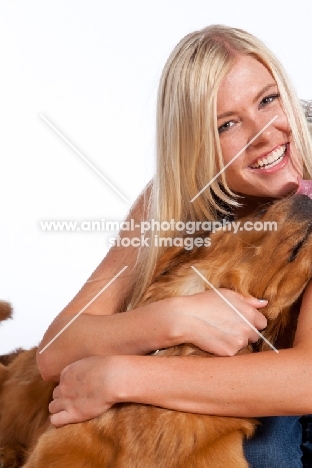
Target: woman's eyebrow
263	90
255	99
225	114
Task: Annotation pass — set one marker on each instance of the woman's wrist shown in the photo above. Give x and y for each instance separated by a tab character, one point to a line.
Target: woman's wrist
122	376
165	323
135	379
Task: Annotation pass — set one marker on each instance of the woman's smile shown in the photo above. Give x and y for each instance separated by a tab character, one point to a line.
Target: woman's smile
271	159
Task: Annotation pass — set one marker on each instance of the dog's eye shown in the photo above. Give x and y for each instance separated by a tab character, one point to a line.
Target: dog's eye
296	250
299	245
261	213
262	210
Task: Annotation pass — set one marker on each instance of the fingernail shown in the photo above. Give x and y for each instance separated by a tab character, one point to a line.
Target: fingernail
262	300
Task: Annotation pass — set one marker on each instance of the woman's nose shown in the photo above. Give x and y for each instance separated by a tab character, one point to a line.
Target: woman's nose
264	127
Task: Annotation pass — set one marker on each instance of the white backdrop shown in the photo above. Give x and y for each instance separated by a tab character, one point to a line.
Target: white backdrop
92	69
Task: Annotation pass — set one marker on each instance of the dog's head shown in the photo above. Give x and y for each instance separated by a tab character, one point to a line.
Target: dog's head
272	261
275	262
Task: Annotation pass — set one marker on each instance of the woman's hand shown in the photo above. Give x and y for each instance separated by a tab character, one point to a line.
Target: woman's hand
207	321
84	392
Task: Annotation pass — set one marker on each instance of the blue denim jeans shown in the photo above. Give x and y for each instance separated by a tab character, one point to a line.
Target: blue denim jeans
281	442
306	445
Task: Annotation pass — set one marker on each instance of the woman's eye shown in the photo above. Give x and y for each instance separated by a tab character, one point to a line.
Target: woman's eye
226	126
268	99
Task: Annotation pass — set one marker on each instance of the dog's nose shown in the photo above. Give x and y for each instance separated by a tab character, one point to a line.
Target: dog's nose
301	207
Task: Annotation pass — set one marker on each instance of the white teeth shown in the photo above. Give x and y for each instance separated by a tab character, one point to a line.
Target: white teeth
271	159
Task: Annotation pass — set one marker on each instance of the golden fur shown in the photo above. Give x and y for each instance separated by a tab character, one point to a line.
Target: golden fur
272	265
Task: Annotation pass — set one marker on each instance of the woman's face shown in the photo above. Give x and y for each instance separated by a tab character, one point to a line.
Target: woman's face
248	99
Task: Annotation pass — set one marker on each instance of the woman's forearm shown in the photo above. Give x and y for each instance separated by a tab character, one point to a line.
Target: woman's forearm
202	319
252	385
261	384
133	332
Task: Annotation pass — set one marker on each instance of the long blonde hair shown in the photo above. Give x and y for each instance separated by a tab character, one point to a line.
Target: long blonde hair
188	148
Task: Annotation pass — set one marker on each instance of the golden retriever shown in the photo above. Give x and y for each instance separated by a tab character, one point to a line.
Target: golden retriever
24	400
273	265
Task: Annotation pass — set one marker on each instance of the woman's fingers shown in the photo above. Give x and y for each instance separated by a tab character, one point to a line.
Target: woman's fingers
56	405
61	418
221	322
56	392
259	320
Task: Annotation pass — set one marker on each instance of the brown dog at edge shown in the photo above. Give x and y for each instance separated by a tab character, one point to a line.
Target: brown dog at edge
24	400
273	265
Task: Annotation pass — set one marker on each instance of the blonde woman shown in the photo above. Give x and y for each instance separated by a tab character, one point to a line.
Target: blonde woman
222	91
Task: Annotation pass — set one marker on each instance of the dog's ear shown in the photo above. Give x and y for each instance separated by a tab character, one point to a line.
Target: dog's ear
5	310
235	279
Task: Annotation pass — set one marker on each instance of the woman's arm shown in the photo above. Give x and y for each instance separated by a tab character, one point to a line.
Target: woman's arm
203	319
259	384
251	385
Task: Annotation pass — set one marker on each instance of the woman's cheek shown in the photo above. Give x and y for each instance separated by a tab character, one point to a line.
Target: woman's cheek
230	148
233	178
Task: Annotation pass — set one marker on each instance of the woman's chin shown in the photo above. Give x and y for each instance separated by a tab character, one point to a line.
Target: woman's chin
277	191
282	185
287	189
